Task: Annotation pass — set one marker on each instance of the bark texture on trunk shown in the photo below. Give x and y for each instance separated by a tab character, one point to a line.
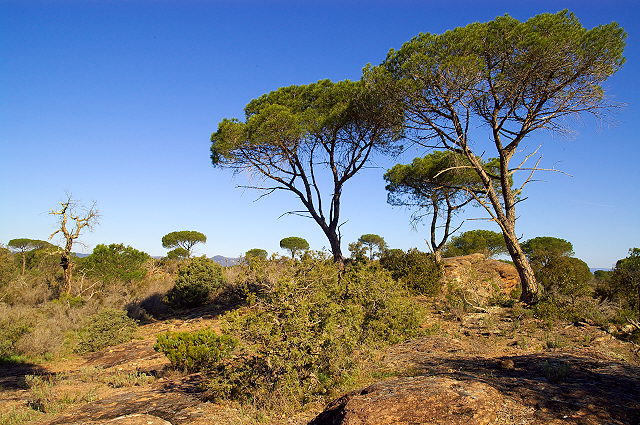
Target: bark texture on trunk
334	242
531	290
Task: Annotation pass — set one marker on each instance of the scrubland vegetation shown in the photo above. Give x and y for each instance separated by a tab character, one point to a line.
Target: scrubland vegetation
295	330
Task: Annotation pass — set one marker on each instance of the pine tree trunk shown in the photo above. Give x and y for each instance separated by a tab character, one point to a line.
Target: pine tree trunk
334	242
531	290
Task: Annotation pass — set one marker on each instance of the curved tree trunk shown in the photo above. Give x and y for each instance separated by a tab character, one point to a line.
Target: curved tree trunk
531	290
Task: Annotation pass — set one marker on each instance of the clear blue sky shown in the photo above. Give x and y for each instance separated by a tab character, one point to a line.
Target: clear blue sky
114	101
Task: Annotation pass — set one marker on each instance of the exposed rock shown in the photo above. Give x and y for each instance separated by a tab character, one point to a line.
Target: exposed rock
480	277
135	419
415	400
167	401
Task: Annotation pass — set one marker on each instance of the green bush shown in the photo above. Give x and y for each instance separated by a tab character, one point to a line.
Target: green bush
565	276
417	271
194	351
309	322
552	309
195	281
109	327
11	330
8	268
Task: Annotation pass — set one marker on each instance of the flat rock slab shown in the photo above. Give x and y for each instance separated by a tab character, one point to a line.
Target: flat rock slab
135	419
167	402
533	389
416	400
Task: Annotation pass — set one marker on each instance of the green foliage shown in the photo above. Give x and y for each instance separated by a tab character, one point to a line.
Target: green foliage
624	283
566	276
431	181
69	300
543	249
185	239
104	329
296	114
11	330
294	244
439	185
256	253
178	253
486	242
417	271
358	251
195	351
195	280
553	309
128	379
373	242
8	268
513	79
307	324
24	245
115	262
18	415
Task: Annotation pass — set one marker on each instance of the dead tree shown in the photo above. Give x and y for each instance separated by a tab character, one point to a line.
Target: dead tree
72	218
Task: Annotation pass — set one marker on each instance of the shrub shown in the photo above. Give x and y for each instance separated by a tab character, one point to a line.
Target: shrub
309	322
196	279
194	351
109	327
11	331
417	271
8	269
128	379
565	276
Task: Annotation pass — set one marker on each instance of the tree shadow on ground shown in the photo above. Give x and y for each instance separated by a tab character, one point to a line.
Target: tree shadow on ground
557	385
153	307
12	375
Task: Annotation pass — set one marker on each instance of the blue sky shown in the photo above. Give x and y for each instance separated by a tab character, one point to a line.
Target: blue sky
114	101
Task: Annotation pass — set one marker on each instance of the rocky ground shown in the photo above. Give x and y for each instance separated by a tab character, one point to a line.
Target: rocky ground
478	368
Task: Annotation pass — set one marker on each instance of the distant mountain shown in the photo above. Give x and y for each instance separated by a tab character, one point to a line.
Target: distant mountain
226	261
80	255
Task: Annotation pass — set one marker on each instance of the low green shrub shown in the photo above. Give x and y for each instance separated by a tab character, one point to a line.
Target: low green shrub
417	271
193	351
307	327
196	279
109	327
128	379
8	338
559	308
12	329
